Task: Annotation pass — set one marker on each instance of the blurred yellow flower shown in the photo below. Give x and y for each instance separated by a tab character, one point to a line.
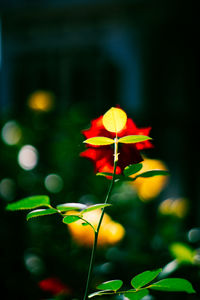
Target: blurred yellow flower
110	232
174	207
150	187
41	101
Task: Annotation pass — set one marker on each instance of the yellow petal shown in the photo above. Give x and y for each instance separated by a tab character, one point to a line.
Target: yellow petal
114	119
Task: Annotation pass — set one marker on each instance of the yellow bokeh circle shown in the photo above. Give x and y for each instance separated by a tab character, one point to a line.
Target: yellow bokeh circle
41	100
110	232
150	187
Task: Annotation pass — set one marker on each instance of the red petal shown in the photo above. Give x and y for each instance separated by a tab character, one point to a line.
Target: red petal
101	157
90	153
97	129
128	155
129	129
110	169
54	286
145	144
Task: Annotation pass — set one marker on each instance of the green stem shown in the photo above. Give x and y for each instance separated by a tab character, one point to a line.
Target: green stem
107	197
99	225
133	291
88	223
91	265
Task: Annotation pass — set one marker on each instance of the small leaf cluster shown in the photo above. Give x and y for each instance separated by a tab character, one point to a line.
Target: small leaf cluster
133	169
39	201
141	284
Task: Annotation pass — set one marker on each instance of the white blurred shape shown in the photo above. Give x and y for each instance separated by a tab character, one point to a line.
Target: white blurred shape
34	264
197	257
53	183
11	133
169	268
28	157
148	297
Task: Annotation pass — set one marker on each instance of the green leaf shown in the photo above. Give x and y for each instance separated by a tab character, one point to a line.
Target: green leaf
85	224
117	177
132	169
99	293
144	174
29	203
99	141
143	278
40	213
114	119
153	173
131	139
71	206
112	285
173	285
70	219
104	174
136	295
94	207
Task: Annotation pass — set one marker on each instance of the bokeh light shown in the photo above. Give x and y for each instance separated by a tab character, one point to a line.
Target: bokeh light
174	207
7	189
54	286
170	267
11	133
28	157
34	263
110	232
182	253
149	188
41	100
197	257
53	183
194	235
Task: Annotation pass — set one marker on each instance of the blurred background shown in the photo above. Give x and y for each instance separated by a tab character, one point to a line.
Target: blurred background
62	64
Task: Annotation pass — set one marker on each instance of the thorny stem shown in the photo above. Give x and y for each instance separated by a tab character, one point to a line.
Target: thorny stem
100	221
